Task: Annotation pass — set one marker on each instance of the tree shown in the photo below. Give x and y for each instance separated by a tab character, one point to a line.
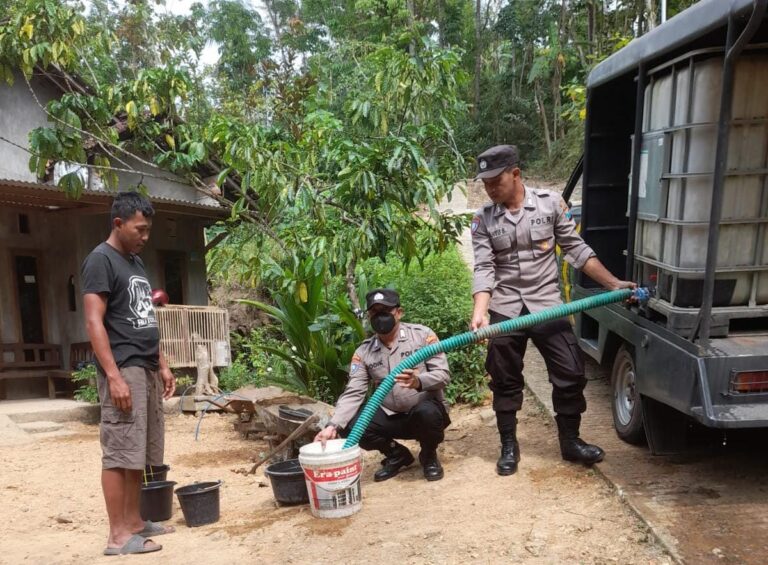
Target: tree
348	159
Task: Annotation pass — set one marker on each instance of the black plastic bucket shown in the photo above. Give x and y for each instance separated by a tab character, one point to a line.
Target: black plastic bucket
156	502
200	503
155	473
288	486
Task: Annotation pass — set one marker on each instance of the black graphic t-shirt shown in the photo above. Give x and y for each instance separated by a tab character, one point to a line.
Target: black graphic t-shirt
130	318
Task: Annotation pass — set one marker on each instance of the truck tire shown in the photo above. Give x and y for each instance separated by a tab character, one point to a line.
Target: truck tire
626	403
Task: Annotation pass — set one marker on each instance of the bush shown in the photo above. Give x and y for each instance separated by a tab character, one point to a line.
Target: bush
87	391
439	296
468	383
252	365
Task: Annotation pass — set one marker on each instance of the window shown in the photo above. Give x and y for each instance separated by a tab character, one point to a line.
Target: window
174	273
23	223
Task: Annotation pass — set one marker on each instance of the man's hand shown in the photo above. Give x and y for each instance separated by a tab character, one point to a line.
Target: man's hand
409	378
328	432
481	301
478	321
169	382
618	285
595	270
120	393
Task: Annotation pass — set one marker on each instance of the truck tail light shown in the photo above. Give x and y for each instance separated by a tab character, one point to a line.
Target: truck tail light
749	381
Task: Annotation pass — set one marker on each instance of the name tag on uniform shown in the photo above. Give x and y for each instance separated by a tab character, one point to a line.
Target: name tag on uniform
498	232
541	220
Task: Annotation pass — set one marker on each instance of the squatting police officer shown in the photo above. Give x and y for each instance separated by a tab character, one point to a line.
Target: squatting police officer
415	408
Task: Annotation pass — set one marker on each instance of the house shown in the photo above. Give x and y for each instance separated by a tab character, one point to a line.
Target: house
45	236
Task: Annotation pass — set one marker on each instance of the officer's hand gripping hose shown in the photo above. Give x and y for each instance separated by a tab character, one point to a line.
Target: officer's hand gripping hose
467	338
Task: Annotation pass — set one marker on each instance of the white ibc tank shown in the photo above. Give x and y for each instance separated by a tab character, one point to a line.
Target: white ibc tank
681	113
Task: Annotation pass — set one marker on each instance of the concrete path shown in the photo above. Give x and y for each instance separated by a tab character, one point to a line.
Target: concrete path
50	410
460	204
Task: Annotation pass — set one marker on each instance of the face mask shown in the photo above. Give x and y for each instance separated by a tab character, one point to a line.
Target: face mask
383	323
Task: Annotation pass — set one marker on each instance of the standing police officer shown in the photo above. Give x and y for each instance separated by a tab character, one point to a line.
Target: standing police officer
415	408
514	242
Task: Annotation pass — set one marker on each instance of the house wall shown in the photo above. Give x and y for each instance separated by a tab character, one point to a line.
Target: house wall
62	240
19	115
168	186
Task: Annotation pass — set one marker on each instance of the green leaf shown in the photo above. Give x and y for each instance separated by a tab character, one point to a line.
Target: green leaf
72	185
197	150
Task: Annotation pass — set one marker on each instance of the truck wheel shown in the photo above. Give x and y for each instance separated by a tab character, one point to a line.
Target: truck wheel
627	404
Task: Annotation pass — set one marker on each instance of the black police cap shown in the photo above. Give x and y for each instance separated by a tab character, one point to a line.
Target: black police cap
385	296
492	162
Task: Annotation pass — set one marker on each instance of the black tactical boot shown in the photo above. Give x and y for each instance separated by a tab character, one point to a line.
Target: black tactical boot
510	456
433	470
396	457
510	450
572	447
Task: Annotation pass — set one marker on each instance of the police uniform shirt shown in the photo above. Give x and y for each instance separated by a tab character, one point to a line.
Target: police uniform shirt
373	361
515	254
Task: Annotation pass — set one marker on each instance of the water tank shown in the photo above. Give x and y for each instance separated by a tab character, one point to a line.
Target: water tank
682	105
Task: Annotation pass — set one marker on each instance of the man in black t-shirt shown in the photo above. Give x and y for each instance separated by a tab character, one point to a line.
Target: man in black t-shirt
133	375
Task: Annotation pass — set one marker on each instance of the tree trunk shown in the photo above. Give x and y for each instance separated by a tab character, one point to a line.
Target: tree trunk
478	58
640	11
411	19
591	27
557	75
543	114
441	23
651	14
351	287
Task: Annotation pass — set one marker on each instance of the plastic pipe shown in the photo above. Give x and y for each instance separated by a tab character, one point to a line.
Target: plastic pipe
487	332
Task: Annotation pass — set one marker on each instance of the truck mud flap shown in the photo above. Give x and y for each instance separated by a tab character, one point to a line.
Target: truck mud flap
666	429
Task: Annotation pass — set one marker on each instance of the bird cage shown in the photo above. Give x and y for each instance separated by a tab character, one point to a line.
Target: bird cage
183	328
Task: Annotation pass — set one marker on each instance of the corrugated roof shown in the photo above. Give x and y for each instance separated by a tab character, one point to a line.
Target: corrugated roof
39	195
685	27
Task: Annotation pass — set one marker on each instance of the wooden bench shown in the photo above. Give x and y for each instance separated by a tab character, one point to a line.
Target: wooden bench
30	360
80	353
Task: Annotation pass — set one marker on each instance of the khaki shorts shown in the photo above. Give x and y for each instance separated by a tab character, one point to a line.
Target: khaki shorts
131	440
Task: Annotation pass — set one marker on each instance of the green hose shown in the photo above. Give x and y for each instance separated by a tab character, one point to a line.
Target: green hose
468	338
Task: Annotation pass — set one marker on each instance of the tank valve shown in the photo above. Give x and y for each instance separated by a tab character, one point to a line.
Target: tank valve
641	294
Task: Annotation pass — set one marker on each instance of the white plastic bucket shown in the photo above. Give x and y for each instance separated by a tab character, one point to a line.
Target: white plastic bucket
333	478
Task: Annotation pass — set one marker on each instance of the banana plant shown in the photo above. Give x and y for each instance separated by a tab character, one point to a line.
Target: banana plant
321	333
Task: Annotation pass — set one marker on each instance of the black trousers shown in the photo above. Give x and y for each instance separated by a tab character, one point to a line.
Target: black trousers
562	355
425	423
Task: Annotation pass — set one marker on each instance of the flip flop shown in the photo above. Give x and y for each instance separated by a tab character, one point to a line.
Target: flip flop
152	529
135	544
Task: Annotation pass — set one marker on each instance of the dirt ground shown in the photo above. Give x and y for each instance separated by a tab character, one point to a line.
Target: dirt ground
549	512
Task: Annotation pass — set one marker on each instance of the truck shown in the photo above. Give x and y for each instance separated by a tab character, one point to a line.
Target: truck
674	196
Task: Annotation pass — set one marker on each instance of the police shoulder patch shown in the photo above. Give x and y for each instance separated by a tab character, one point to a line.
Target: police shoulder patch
475	224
